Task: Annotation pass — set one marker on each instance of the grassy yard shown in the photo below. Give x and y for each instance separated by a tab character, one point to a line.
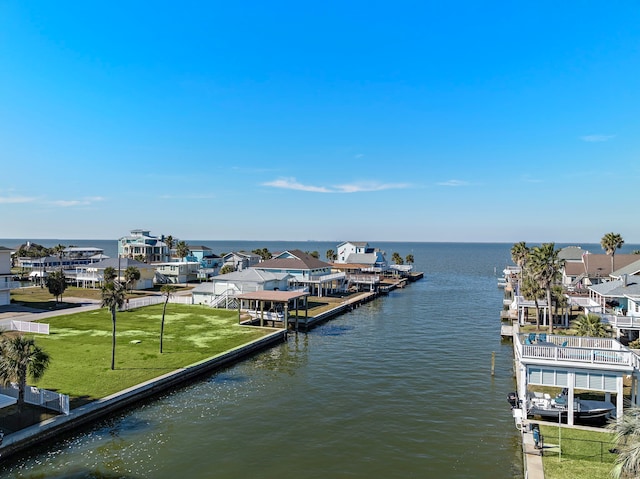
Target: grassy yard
584	454
40	298
80	346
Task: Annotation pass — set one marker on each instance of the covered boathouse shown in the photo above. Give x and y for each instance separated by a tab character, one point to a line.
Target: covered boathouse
575	362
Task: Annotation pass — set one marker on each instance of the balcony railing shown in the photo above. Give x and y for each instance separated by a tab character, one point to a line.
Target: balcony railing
577	349
623	322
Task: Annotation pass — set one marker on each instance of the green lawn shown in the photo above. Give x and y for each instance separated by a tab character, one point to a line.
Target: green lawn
80	346
584	454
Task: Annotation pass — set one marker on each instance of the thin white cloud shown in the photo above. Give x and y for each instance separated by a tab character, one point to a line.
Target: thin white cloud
359	155
293	184
597	138
454	183
16	199
187	197
81	202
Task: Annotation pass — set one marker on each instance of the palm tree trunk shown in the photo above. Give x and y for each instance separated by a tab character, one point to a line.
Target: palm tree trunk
164	309
113	338
21	387
550	311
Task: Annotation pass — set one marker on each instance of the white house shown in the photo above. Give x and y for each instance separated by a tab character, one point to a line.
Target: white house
141	244
177	271
360	253
6	283
307	272
220	292
240	260
92	275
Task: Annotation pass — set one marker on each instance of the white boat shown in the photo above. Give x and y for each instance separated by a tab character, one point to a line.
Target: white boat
266	315
543	405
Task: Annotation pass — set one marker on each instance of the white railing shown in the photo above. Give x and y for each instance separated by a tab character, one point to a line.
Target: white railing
40	397
364	278
24	326
623	322
327	277
601	351
594	356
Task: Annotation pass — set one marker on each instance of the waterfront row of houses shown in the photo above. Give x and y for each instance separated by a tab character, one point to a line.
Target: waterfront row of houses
593	284
356	266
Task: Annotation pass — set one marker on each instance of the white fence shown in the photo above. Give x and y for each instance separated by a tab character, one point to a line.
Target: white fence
24	326
151	300
40	397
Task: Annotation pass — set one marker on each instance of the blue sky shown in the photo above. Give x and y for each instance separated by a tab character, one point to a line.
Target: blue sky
416	121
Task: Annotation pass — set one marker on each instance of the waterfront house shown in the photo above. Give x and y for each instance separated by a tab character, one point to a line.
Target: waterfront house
361	253
306	271
6	280
221	290
618	301
205	256
141	245
209	262
592	269
240	260
92	275
177	272
575	362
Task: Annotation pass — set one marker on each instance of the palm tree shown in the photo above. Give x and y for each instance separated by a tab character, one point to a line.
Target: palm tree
531	290
264	253
396	258
610	242
109	274
182	250
545	269
519	254
113	297
627	440
169	241
131	275
20	358
590	325
167	291
409	259
330	255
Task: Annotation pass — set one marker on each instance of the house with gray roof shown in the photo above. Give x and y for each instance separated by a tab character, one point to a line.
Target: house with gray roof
361	256
592	269
240	260
307	271
221	290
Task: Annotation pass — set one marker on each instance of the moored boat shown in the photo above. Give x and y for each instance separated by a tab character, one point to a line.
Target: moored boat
542	405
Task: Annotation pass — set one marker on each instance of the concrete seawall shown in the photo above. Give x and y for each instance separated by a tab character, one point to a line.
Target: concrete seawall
47	430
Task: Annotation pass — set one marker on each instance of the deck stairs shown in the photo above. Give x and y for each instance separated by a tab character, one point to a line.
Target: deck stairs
225	300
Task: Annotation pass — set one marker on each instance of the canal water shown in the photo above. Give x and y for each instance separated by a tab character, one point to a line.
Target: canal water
398	388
